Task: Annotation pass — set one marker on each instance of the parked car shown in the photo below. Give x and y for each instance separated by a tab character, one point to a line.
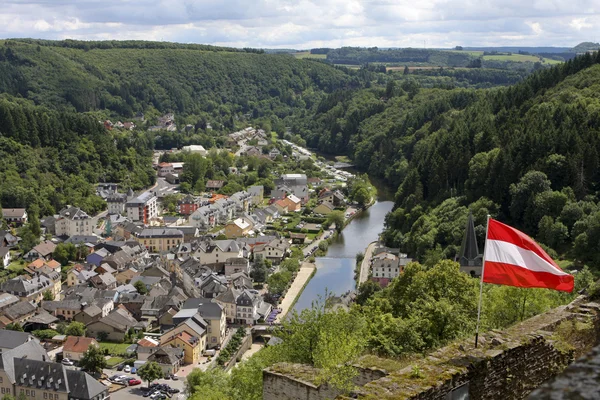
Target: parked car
158	396
68	362
133	370
127	369
133	382
174	377
120	367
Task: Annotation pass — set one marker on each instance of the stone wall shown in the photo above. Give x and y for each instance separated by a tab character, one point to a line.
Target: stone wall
508	364
296	382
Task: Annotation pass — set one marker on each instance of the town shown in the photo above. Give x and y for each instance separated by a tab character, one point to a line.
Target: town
167	279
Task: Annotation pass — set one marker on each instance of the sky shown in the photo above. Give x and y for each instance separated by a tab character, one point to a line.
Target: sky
304	24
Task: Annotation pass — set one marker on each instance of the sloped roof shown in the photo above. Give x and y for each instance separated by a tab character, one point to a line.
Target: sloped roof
19	310
45	248
13	212
119	320
82	386
78	344
12	339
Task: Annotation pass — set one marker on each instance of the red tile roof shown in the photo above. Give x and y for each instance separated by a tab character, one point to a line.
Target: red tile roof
78	344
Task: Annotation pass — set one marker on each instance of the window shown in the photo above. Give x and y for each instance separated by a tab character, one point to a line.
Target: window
27	392
1	379
45	395
33	393
2	390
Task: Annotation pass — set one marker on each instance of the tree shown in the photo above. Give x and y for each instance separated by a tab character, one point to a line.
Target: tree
48	295
366	290
150	372
75	329
93	360
279	281
259	271
14	326
140	287
214	383
336	217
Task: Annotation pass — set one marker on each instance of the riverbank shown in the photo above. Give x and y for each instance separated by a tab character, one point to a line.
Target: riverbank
366	264
305	273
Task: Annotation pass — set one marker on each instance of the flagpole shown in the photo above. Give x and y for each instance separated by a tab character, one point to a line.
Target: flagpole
487	226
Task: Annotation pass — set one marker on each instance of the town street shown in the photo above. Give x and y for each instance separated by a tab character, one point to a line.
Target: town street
304	274
366	263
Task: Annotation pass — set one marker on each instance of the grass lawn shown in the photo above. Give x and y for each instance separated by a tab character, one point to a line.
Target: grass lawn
114	348
512	57
306	54
16	266
113	361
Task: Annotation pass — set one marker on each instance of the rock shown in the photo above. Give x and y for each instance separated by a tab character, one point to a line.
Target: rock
496	342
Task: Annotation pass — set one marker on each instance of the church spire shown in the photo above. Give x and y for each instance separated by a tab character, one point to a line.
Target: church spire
470	259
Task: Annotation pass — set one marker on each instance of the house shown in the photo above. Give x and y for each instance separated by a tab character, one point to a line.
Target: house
63	309
275	250
105	281
204	218
55	278
159	239
187	205
226	210
43	250
146	347
168	358
250	307
34	266
75	346
314	182
97	256
189	232
116	203
78	275
235	265
7	300
212	312
165	168
334	197
17	216
387	266
125	277
28	289
7	239
272	212
4	256
72	221
190	335
211	285
89	314
214	185
257	193
19	312
297	238
294	203
237	228
142	208
35	378
324	208
113	327
241	280
274	153
253	151
242	201
216	252
282	206
243	306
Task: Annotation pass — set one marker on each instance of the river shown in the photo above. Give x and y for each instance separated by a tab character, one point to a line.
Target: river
335	271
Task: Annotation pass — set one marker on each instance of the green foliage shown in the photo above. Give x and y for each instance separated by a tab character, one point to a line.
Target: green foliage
45	334
48	295
279	281
140	287
75	329
66	252
259	271
336	217
93	360
150	372
232	346
14	326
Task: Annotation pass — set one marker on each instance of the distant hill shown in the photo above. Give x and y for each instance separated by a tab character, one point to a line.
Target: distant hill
516	49
585	47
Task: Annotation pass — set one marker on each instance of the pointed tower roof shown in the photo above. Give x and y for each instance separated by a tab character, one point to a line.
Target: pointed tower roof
469	248
130	193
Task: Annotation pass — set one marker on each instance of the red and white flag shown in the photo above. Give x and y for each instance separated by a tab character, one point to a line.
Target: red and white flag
512	258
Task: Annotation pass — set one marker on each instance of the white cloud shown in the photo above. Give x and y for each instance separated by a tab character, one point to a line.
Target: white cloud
308	23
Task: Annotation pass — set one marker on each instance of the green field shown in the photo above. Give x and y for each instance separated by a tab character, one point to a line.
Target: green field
306	54
113	361
475	53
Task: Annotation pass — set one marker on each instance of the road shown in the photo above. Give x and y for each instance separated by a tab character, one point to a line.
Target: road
163	187
366	263
295	289
315	243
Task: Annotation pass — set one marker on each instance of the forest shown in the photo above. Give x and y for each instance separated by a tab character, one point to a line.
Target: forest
527	154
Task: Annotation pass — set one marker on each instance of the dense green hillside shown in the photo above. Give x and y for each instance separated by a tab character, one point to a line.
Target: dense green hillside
528	154
124	80
49	158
